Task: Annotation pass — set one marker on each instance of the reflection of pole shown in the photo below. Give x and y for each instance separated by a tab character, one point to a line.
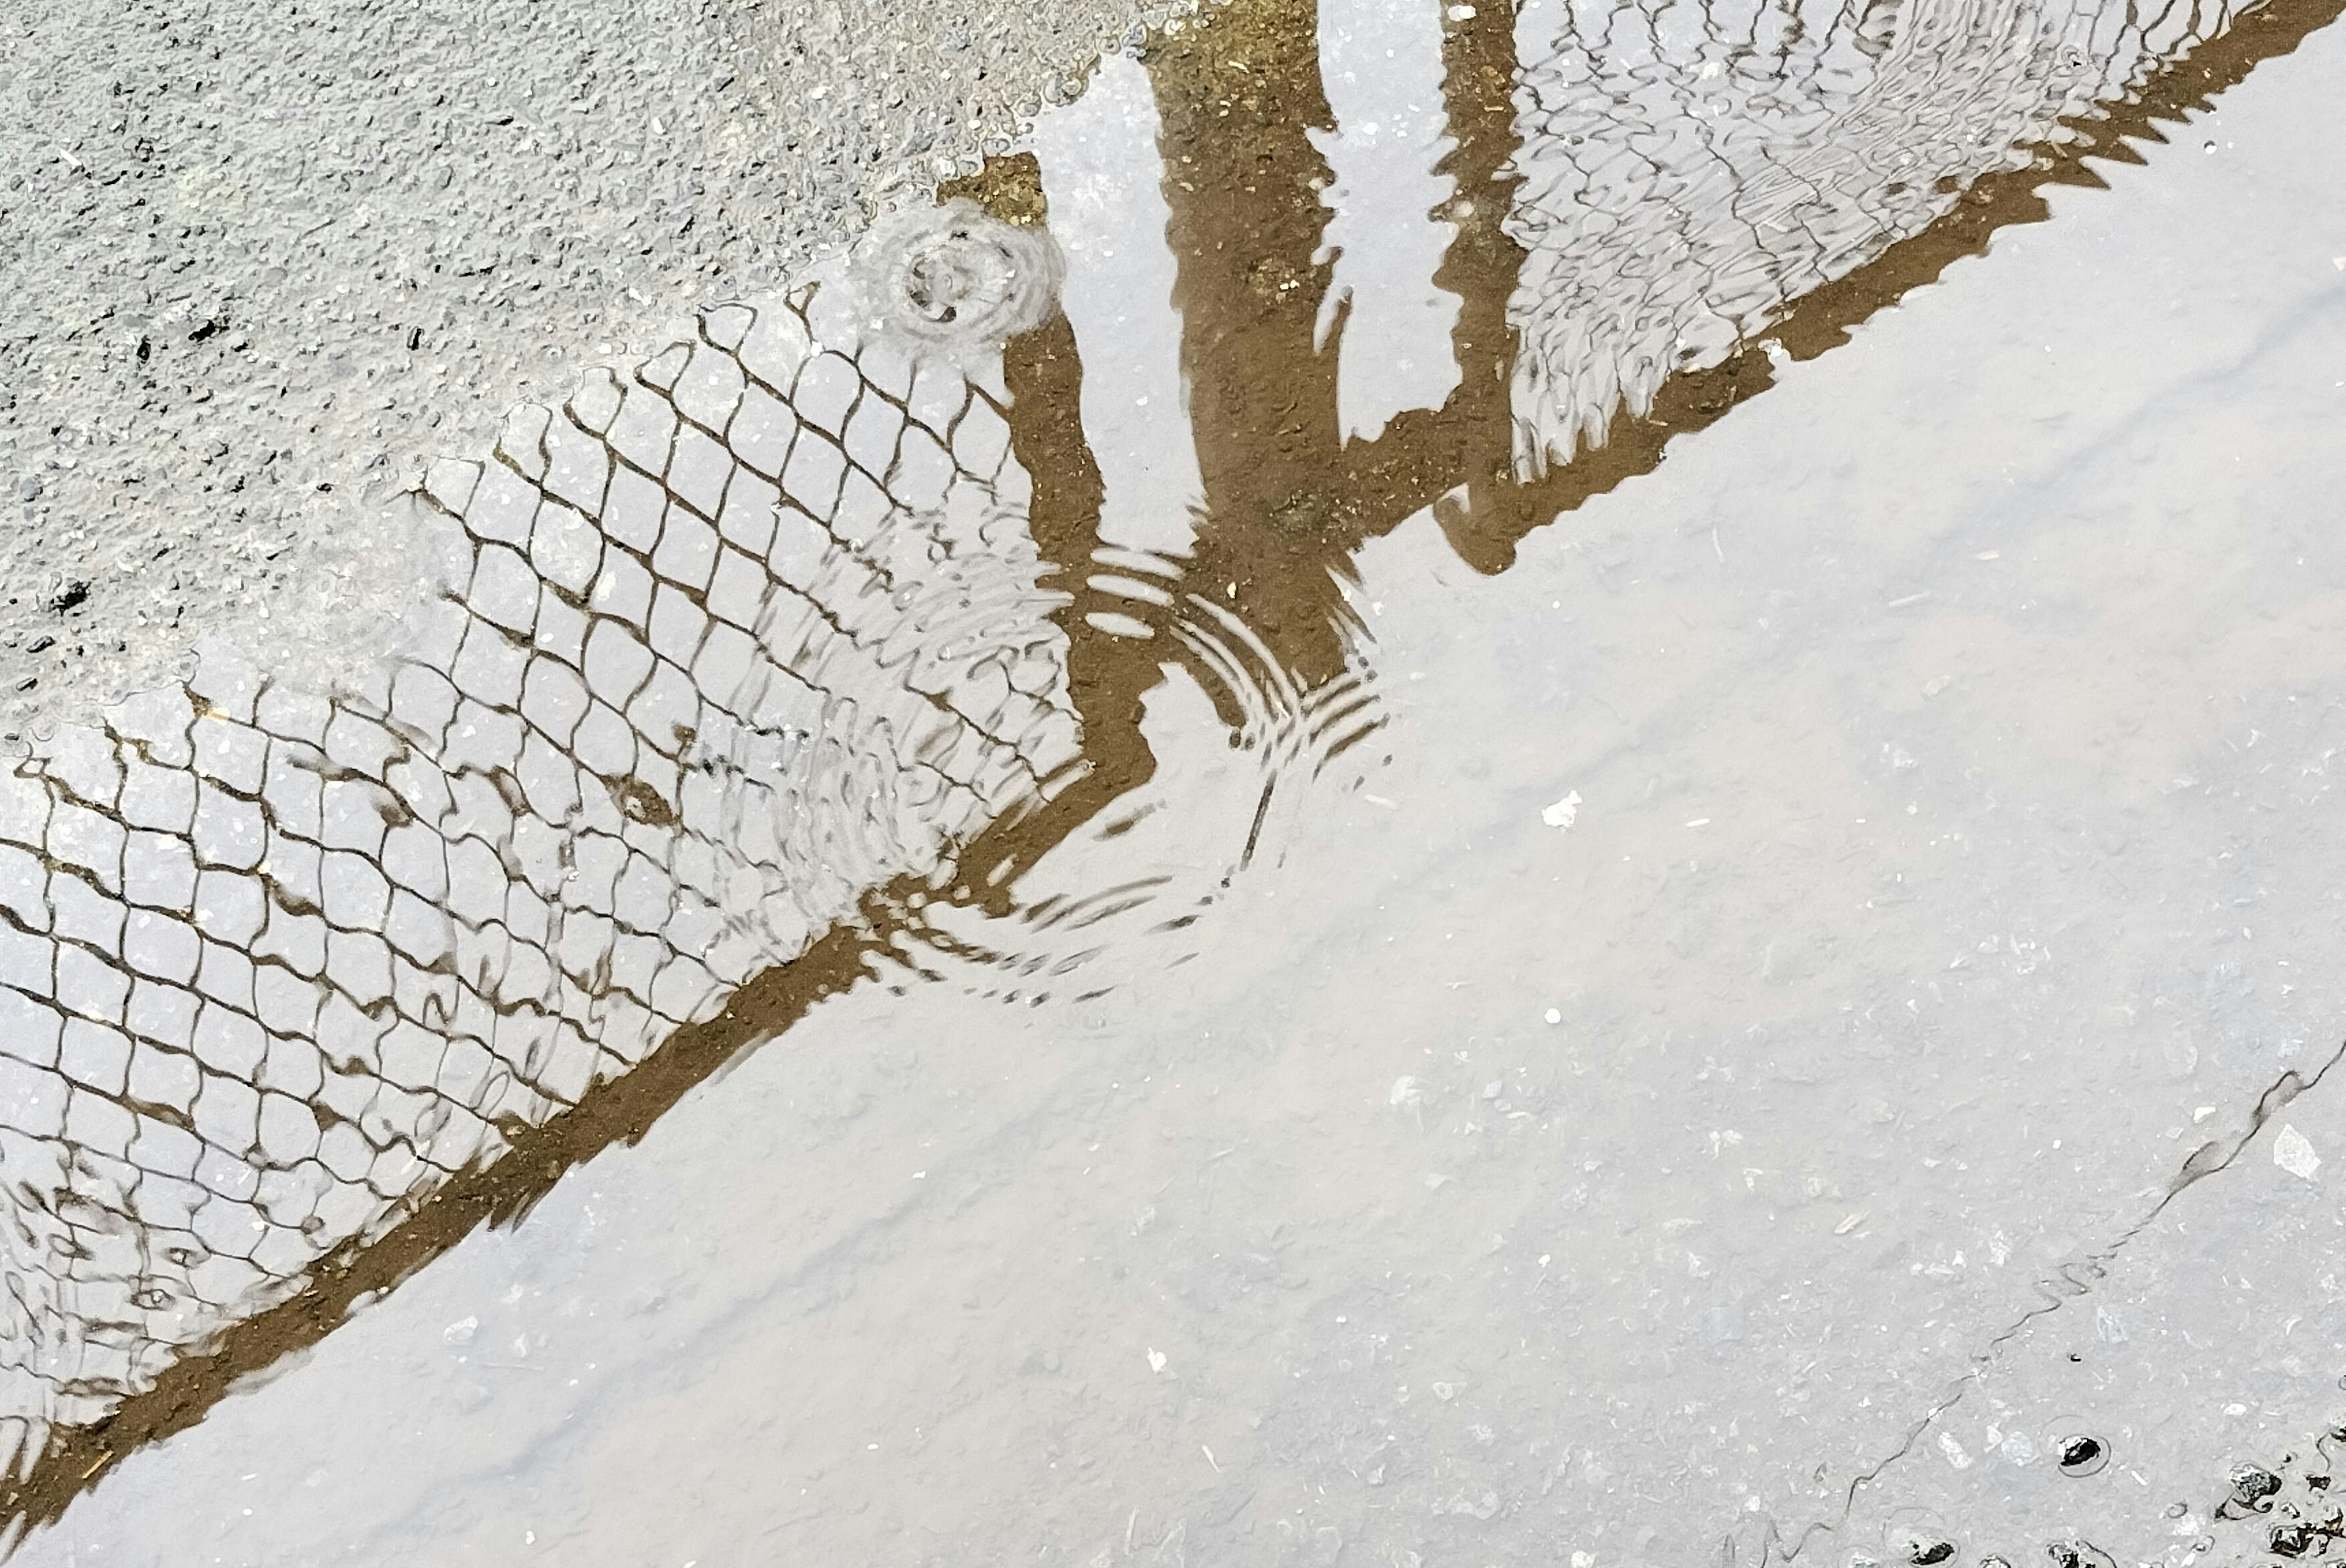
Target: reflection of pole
1236	93
1107	674
1237	90
1475	427
1288	500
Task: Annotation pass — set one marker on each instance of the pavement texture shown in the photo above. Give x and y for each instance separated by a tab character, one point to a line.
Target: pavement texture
262	262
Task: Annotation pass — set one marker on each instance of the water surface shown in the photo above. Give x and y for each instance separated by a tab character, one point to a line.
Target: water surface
1513	998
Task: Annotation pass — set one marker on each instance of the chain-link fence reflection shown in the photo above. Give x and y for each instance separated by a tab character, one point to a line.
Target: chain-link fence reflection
730	644
1692	167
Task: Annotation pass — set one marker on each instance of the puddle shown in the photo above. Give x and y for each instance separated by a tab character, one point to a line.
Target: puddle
1016	612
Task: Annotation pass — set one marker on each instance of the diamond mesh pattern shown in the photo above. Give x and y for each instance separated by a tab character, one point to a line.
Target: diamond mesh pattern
1692	168
726	643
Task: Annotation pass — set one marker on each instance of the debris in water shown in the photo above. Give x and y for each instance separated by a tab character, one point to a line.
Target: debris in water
1562	814
2293	1152
2080	1455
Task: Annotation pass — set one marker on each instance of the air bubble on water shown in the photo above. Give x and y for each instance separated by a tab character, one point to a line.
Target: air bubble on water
954	278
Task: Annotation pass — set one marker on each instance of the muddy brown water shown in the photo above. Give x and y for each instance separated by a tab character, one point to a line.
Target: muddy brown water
1235	928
